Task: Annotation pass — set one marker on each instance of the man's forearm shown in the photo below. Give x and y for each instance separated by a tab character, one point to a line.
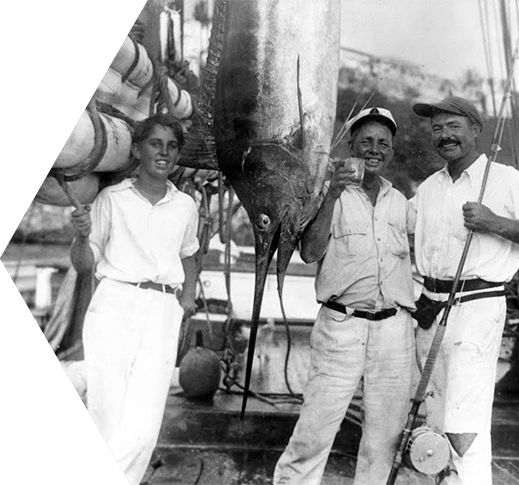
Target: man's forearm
506	228
190	272
316	235
81	254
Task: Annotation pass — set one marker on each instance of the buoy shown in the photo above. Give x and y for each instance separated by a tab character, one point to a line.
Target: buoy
199	371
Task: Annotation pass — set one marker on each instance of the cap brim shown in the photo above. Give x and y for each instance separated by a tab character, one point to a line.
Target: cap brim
423	109
431	110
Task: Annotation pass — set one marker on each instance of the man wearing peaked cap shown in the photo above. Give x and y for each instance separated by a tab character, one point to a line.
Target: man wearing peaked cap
462	384
364	331
453	105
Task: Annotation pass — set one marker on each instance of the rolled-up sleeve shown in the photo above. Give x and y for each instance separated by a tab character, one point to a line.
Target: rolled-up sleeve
190	243
101	217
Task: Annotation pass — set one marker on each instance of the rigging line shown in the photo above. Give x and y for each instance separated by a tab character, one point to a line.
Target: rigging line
234	210
498	29
289	346
228	242
489	36
486	47
507	41
509	61
484	22
512	129
221	192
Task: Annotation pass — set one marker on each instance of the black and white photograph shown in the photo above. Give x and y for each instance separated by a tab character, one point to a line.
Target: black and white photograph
261	242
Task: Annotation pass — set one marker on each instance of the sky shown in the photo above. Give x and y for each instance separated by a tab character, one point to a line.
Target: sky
442	36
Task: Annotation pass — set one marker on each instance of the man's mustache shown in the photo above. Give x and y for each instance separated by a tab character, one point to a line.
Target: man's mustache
444	142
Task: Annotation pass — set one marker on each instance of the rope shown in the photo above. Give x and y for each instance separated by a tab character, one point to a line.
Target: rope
160	99
228	240
221	191
289	345
112	111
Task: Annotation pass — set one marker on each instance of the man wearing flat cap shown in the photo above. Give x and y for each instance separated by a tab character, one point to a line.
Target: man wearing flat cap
462	384
364	330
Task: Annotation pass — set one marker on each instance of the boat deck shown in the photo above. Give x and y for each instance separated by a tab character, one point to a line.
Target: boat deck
205	442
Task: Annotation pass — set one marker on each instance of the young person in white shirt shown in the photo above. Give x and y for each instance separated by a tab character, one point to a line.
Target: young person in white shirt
140	236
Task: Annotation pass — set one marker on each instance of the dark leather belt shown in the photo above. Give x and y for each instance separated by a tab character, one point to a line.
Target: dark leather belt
145	285
445	286
381	315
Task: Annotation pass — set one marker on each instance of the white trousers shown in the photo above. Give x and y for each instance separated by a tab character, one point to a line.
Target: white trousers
345	349
461	389
130	339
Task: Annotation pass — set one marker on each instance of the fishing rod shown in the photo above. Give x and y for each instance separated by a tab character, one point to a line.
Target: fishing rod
442	326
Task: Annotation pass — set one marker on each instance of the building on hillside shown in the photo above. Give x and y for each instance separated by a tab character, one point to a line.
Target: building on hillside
399	79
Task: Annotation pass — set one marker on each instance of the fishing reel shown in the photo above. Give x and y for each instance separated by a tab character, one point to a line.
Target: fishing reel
427	452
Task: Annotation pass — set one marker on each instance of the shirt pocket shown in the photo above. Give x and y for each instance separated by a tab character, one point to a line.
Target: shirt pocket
350	241
398	242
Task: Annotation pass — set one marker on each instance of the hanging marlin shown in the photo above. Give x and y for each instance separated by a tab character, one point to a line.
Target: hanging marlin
267	109
275	103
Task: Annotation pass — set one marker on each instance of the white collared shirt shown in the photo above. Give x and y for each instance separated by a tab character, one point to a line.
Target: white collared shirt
134	241
367	264
440	232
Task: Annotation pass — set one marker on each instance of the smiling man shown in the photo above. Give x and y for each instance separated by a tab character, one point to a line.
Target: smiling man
461	389
364	331
141	239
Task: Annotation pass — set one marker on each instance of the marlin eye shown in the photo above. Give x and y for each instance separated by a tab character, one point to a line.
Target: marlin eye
263	221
